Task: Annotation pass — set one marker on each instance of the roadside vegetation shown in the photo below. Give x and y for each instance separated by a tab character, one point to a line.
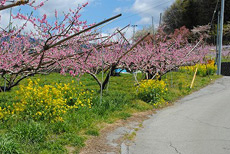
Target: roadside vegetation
48	114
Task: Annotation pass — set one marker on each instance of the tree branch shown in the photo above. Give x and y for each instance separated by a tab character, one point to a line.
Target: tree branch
85	30
17	3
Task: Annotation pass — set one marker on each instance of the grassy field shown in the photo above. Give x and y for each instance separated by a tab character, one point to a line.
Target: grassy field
225	60
119	102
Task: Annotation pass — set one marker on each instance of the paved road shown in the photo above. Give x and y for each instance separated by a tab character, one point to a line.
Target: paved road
197	124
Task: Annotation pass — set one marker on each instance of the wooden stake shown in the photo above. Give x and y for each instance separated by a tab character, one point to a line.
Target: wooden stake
193	78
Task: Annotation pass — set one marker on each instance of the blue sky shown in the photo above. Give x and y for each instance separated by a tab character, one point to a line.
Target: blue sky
138	12
134	12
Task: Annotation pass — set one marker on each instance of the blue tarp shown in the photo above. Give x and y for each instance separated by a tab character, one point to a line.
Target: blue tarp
120	71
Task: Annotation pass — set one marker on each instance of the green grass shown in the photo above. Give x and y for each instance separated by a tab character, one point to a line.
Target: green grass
179	84
92	132
225	60
8	145
119	102
30	132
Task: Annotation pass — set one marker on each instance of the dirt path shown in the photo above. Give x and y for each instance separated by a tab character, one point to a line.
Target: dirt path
112	136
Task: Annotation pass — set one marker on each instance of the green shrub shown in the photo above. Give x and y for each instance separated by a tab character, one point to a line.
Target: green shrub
152	91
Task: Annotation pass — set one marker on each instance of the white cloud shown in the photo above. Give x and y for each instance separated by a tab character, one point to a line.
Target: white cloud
60	5
5	20
5	16
148	8
117	10
128	32
49	9
145	20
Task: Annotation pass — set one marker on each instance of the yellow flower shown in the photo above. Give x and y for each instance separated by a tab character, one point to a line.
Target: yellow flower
1	115
39	113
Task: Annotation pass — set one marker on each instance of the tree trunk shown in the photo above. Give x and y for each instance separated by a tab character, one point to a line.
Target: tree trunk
2	88
106	81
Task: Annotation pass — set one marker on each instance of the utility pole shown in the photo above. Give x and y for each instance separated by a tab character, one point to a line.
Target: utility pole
134	30
10	22
217	37
160	19
220	37
153	25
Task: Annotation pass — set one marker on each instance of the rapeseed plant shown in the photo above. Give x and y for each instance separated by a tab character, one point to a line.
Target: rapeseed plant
48	102
152	91
203	69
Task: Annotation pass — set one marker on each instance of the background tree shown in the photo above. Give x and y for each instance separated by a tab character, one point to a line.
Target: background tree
167	52
192	13
172	17
226	33
143	32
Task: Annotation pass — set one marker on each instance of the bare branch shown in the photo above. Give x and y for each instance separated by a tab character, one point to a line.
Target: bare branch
85	30
123	36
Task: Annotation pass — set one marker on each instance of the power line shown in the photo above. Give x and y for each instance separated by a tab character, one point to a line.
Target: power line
213	16
134	30
141	12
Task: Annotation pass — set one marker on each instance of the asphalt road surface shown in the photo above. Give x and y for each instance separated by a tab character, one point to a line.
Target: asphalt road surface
197	124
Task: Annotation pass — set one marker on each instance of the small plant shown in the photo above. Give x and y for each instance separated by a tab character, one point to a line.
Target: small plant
8	145
152	91
92	132
52	147
160	104
180	85
60	127
30	132
131	136
72	139
124	115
